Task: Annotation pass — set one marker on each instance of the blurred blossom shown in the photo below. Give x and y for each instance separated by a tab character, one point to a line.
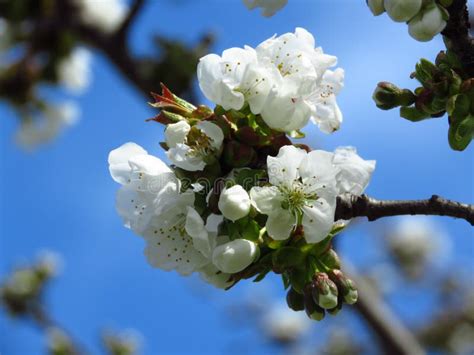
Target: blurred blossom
341	342
50	261
385	277
55	118
4	35
106	15
269	7
283	325
126	342
74	71
416	242
461	341
59	343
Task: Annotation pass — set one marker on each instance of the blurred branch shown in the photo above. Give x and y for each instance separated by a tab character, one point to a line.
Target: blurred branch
394	338
135	9
350	206
457	35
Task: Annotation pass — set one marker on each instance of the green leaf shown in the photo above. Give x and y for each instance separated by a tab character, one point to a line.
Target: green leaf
251	231
413	114
288	257
461	133
249	178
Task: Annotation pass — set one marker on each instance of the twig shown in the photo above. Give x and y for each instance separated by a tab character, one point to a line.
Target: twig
350	206
457	35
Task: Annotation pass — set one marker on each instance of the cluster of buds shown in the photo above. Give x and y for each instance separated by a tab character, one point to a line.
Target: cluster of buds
425	18
324	291
22	290
445	88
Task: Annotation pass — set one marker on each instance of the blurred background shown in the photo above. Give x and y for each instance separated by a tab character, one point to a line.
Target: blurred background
58	124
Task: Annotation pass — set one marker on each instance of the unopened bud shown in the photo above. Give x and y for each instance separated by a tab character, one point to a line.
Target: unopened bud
312	309
234	256
330	259
238	155
388	96
234	203
324	291
376	6
248	136
402	10
295	300
345	286
428	23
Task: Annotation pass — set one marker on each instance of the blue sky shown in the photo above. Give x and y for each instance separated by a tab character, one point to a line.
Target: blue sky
62	198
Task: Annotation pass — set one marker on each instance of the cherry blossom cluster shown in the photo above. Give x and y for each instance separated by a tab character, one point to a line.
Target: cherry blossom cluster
240	199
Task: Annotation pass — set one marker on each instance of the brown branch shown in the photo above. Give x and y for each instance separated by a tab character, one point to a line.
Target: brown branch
394	338
457	37
127	23
350	206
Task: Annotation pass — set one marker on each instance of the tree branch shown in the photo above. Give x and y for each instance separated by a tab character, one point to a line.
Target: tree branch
127	23
457	37
350	206
394	338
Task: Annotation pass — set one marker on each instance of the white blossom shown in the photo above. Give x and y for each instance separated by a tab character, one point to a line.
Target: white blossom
427	24
175	240
354	172
235	255
285	79
44	128
74	71
235	78
419	238
192	151
106	15
234	203
143	178
302	191
402	10
269	7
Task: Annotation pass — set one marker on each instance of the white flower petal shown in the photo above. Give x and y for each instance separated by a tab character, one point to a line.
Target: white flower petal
355	172
283	169
266	199
118	161
234	203
195	228
280	224
318	220
176	133
213	131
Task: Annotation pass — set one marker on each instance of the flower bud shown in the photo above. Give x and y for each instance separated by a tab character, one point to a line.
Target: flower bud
238	155
388	96
234	203
295	300
345	286
427	24
330	259
376	6
234	256
324	291
312	309
402	10
176	133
